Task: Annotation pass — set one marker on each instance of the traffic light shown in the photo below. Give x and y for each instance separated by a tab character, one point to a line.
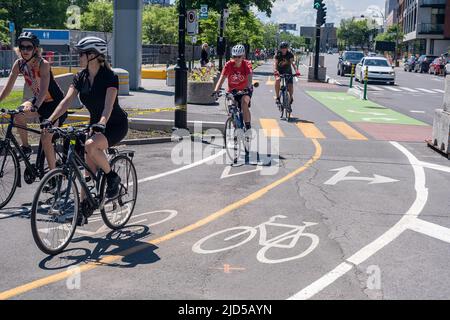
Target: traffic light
318	4
321	12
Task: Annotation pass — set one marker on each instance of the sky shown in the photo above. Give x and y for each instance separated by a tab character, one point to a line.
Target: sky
301	12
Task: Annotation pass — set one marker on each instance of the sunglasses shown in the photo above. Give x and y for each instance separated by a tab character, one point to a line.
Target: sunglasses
26	48
80	54
238	57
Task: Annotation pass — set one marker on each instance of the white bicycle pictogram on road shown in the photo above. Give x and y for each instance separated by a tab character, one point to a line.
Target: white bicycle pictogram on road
287	240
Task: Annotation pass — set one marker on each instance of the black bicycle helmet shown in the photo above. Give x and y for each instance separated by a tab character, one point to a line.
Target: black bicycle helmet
284	45
28	36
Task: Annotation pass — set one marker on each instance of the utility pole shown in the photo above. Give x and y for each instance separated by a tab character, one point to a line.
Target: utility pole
181	71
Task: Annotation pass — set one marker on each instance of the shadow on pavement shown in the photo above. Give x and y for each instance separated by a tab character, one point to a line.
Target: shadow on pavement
158	92
19	212
126	243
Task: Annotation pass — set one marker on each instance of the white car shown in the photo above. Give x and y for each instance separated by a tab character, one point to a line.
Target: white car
380	70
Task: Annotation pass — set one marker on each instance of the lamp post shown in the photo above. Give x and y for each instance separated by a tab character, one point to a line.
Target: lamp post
181	71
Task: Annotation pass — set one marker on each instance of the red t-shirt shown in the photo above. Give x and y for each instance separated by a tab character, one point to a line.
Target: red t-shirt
237	77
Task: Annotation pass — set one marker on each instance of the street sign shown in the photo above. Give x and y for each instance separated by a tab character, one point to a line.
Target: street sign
51	37
12	27
204	12
226	13
192	22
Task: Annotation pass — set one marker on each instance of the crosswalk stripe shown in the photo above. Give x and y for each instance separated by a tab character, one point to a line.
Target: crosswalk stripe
376	88
347	131
425	90
409	89
310	131
393	89
439	90
271	128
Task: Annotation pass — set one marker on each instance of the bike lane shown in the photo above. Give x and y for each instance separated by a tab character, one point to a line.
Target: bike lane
350	214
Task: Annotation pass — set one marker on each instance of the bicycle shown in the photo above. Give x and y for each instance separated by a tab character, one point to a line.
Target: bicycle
235	130
285	104
56	215
287	240
11	154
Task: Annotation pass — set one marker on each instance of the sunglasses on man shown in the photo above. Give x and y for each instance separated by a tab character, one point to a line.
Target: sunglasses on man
238	57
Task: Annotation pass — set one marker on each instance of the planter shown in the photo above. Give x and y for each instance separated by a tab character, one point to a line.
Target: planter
200	93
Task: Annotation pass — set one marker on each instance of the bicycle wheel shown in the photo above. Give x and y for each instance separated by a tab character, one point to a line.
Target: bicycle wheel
9	174
231	140
117	213
286	101
54	215
220	236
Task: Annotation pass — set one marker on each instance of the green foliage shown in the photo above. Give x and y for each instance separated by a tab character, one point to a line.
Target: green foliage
203	74
270	31
294	40
393	34
160	25
217	5
98	16
354	33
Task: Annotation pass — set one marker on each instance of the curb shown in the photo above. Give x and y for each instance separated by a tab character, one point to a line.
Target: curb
355	92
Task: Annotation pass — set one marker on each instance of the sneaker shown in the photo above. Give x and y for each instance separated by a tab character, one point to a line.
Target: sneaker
113	185
27	151
50	187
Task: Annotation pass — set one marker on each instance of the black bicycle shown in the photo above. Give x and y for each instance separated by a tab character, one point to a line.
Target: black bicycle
236	136
11	155
55	215
285	106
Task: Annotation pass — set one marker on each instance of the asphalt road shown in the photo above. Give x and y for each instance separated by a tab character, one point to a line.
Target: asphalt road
330	212
414	94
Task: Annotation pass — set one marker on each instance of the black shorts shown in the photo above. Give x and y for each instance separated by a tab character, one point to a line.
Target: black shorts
116	132
250	94
47	109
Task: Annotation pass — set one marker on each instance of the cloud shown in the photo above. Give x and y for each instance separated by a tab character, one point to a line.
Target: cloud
302	12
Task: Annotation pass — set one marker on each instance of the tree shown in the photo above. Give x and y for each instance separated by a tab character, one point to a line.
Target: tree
354	33
270	31
242	27
33	14
158	25
99	16
218	5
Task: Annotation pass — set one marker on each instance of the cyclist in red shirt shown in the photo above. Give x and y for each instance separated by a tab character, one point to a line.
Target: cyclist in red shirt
239	74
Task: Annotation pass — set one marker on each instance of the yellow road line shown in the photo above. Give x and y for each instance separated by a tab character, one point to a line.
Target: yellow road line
347	131
270	82
110	259
310	131
271	128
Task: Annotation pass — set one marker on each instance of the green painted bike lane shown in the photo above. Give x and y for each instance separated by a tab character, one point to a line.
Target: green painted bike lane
353	109
380	122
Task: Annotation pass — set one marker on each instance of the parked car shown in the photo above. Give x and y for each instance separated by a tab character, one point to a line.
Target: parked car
410	64
423	63
380	70
347	60
437	67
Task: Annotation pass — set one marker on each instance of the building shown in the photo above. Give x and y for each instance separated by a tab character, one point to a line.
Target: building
391	13
328	38
164	3
426	24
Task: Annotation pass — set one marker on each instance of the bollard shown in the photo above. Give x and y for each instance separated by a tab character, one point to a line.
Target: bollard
352	76
366	79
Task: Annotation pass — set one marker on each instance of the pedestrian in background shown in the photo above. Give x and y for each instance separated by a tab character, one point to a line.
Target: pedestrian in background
205	56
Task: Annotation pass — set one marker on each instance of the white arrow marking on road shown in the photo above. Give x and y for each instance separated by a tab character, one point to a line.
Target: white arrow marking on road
226	172
342	175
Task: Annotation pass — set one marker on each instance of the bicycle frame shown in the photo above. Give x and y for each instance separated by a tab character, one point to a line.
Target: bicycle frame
10	138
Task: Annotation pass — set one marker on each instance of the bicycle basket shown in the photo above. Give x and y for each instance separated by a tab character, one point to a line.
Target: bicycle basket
3	126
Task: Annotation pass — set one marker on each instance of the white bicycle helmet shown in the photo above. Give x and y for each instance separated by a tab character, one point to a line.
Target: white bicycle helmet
238	50
93	44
